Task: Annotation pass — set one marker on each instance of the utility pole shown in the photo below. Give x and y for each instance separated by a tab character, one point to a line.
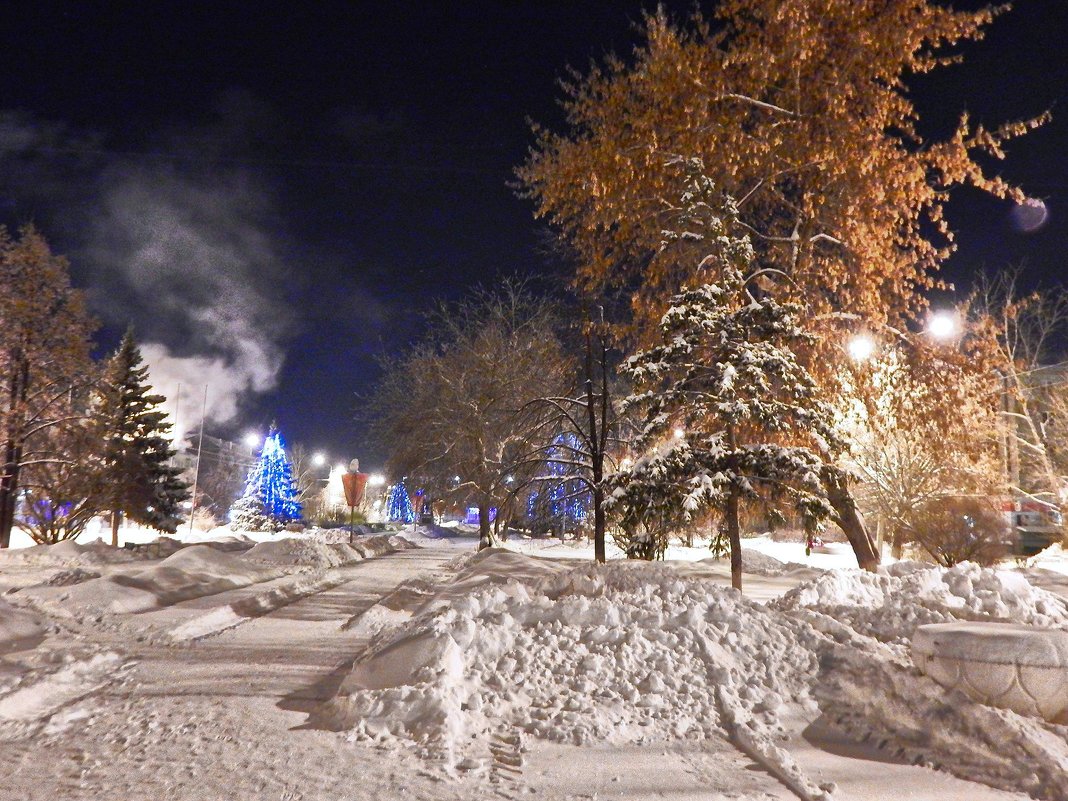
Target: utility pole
200	448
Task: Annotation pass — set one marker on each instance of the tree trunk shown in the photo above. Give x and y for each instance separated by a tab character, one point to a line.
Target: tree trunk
485	535
848	518
597	440
116	518
9	470
897	542
598	524
735	537
9	490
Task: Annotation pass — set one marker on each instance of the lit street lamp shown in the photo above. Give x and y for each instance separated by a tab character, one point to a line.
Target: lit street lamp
942	325
861	348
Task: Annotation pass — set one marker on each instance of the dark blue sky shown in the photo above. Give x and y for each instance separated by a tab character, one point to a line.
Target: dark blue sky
284	189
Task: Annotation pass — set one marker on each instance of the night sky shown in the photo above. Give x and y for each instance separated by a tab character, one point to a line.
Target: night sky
273	194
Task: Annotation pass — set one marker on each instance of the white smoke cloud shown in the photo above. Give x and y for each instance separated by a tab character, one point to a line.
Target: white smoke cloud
194	268
183	248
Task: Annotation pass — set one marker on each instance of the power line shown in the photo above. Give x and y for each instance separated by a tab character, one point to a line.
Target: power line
378	166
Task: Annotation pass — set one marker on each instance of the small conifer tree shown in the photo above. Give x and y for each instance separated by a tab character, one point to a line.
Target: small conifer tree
269	502
729	413
144	485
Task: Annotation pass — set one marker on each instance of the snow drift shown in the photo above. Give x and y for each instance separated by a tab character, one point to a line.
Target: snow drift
192	572
18	626
314	552
638	653
66	554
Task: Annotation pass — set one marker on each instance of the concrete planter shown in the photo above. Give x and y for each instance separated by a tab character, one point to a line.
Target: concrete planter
1022	668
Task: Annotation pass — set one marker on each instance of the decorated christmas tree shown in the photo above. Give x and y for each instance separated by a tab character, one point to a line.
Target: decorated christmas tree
399	507
562	501
269	502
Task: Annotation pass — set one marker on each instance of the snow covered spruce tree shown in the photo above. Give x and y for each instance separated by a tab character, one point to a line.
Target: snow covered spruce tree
142	483
399	507
729	413
269	502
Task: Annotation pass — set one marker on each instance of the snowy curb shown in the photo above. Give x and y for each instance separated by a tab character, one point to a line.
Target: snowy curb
232	615
39	697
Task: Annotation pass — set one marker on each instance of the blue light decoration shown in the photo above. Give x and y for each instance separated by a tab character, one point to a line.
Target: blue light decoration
471	515
399	507
564	503
271	481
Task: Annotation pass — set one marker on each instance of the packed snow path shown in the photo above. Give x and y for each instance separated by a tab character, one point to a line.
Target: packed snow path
212	719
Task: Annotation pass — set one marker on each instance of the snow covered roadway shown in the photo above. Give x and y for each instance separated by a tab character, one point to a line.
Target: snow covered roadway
517	677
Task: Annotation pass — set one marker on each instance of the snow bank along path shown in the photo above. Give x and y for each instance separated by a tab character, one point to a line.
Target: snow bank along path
190	573
320	556
637	654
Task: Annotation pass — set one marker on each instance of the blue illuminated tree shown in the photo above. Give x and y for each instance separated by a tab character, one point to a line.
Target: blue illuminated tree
399	507
269	502
562	503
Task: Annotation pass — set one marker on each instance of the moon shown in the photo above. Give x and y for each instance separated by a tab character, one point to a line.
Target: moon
1030	215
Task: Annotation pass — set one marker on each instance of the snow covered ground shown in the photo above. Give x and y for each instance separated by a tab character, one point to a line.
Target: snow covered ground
306	668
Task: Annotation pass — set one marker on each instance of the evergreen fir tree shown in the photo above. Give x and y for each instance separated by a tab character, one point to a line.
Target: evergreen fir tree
249	514
137	454
399	507
269	502
729	413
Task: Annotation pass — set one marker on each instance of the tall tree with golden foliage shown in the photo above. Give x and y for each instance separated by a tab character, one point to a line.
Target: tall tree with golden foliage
44	357
799	109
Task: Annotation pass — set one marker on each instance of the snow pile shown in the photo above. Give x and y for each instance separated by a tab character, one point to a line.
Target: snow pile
638	653
890	605
761	564
17	625
322	552
74	575
192	572
293	551
621	654
66	554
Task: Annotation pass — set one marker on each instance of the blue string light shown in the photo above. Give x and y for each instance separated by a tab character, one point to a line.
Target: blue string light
399	507
565	500
271	481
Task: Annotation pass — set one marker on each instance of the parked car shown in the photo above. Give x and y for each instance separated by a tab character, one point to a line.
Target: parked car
1035	526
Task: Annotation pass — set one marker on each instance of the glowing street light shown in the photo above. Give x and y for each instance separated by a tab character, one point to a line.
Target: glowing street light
319	459
376	480
253	440
861	348
942	325
680	433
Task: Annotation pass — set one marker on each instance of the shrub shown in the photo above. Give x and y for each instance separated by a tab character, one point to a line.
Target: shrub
959	529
